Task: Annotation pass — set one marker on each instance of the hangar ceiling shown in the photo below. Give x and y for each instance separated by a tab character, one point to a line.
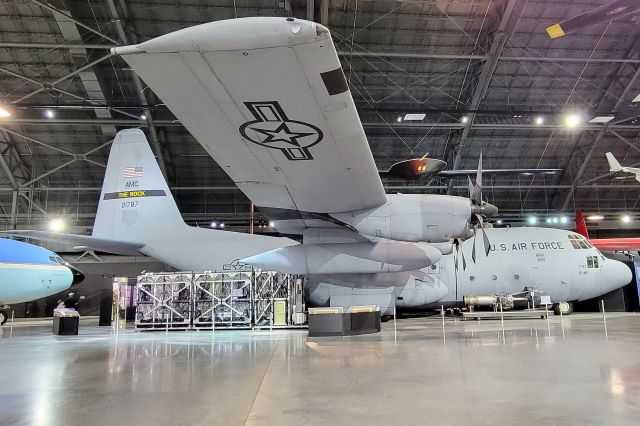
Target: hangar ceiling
484	72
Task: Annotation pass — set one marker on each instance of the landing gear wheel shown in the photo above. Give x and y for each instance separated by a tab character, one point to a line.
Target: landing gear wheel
565	307
3	317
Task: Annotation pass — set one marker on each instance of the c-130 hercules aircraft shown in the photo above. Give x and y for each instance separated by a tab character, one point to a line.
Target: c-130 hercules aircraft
267	99
343	267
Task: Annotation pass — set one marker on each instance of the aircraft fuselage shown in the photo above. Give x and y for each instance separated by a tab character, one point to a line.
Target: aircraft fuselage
558	262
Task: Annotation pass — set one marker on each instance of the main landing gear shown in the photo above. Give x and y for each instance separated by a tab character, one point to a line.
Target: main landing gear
564	308
4	316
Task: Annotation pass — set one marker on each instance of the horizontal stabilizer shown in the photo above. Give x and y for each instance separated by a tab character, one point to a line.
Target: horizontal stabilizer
85	241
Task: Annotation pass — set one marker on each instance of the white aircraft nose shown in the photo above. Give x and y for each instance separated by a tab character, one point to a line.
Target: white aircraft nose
617	274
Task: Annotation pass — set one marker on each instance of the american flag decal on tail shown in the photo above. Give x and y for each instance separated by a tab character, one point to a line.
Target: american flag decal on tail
132	172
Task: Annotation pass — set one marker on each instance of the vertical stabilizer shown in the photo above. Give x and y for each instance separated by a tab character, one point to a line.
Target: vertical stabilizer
135	202
581	226
614	166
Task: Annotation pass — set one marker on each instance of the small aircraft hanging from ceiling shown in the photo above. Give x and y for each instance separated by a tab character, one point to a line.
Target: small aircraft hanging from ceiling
614	166
425	167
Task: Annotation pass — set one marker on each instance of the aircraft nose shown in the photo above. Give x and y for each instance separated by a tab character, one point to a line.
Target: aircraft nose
617	274
78	276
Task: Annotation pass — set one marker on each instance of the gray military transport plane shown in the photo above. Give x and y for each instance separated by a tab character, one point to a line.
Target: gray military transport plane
138	215
268	100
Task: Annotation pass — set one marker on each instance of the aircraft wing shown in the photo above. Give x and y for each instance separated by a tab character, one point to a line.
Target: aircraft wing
268	100
81	241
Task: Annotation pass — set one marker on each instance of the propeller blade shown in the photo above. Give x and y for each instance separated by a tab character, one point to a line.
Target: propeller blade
457	244
479	172
487	243
473	250
464	262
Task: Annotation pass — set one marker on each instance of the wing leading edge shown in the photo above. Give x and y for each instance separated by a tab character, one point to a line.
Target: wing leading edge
267	99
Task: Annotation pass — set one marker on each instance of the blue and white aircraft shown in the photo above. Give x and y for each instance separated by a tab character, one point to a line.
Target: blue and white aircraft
29	272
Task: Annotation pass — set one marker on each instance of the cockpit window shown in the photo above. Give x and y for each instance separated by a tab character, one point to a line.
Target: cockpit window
579	242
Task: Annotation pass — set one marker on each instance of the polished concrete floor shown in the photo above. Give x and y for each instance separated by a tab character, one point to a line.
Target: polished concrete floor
574	371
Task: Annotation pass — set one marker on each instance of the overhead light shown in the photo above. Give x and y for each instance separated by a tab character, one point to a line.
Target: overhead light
532	220
221	225
271	224
49	113
213	225
554	220
572	121
601	119
564	220
548	220
399	119
465	119
56	225
143	117
4	112
626	218
414	117
526	174
539	120
595	217
499	221
636	99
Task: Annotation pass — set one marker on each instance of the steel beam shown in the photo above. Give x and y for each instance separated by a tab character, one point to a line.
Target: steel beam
61	79
80	24
373	124
140	92
480	89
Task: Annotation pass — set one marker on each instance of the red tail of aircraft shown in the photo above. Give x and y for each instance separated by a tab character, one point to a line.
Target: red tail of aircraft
606	244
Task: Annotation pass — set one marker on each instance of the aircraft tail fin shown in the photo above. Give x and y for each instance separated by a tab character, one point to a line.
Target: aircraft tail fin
135	201
614	166
581	225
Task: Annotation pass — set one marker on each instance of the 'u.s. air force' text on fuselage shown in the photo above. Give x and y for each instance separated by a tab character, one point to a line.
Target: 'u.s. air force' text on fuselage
523	246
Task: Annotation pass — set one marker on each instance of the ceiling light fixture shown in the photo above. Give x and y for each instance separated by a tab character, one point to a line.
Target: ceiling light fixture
601	119
56	225
626	218
414	117
49	113
572	121
539	120
595	217
4	112
143	117
465	119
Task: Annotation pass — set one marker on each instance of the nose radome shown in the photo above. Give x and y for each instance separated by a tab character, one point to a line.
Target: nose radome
617	274
78	276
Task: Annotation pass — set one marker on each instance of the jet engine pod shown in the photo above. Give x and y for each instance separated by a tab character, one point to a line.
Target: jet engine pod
347	258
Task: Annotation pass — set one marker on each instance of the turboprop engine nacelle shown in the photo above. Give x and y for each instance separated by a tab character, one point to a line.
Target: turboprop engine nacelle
415	217
347	258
